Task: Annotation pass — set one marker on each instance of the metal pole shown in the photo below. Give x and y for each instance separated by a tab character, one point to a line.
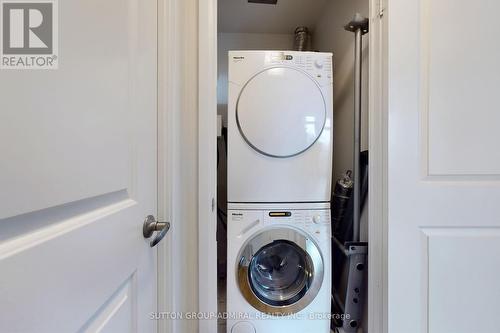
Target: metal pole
357	134
358	25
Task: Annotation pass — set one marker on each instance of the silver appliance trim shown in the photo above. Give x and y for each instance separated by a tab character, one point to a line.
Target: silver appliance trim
265	237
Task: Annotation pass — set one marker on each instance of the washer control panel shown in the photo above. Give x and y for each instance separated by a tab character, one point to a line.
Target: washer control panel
315	221
298	217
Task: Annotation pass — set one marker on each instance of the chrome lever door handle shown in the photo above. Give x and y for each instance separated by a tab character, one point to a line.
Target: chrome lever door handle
151	225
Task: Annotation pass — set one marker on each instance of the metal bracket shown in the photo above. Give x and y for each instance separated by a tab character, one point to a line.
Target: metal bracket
358	22
381	13
355	293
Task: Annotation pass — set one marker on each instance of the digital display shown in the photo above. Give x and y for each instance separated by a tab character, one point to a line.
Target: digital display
280	214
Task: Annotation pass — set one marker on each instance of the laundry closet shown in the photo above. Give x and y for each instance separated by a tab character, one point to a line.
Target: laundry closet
314	54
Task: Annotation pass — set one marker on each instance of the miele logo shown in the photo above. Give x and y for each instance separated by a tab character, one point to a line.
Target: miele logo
237	217
238	58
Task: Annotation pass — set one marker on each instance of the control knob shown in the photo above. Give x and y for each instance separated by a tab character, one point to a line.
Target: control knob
319	63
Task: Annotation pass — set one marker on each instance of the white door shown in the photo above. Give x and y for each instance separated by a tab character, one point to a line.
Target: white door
444	166
78	176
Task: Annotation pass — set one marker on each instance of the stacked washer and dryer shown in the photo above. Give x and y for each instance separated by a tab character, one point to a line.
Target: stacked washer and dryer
279	184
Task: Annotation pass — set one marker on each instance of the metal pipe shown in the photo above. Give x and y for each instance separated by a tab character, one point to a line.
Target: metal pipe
358	25
340	246
357	136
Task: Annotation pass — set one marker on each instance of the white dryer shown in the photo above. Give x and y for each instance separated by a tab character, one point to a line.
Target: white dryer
279	126
279	272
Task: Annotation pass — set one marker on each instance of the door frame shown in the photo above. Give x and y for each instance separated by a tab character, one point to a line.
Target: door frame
378	146
378	168
207	162
179	188
169	109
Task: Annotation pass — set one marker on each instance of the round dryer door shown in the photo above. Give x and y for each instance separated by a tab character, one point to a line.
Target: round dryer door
281	112
280	271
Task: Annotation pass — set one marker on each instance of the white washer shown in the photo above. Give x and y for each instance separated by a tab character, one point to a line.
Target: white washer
279	126
279	272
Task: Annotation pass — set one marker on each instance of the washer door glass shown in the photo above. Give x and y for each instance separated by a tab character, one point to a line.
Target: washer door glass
280	273
281	112
280	270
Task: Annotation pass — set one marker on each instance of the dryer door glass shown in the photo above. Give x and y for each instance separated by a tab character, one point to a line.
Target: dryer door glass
280	273
280	270
281	112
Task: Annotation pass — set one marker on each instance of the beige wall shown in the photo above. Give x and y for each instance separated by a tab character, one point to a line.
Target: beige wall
330	36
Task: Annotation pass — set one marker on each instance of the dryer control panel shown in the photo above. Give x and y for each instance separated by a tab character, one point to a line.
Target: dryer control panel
318	65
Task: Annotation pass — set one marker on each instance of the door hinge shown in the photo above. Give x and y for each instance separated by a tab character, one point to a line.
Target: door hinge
213	204
381	8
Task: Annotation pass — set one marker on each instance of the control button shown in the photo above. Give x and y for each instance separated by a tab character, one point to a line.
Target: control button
318	63
316	219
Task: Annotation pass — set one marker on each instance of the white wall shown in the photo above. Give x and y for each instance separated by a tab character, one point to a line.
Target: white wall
243	41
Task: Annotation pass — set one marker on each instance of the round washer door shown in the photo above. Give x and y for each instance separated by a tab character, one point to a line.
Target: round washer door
280	271
281	112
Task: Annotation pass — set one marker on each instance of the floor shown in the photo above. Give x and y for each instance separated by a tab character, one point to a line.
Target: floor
221	303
